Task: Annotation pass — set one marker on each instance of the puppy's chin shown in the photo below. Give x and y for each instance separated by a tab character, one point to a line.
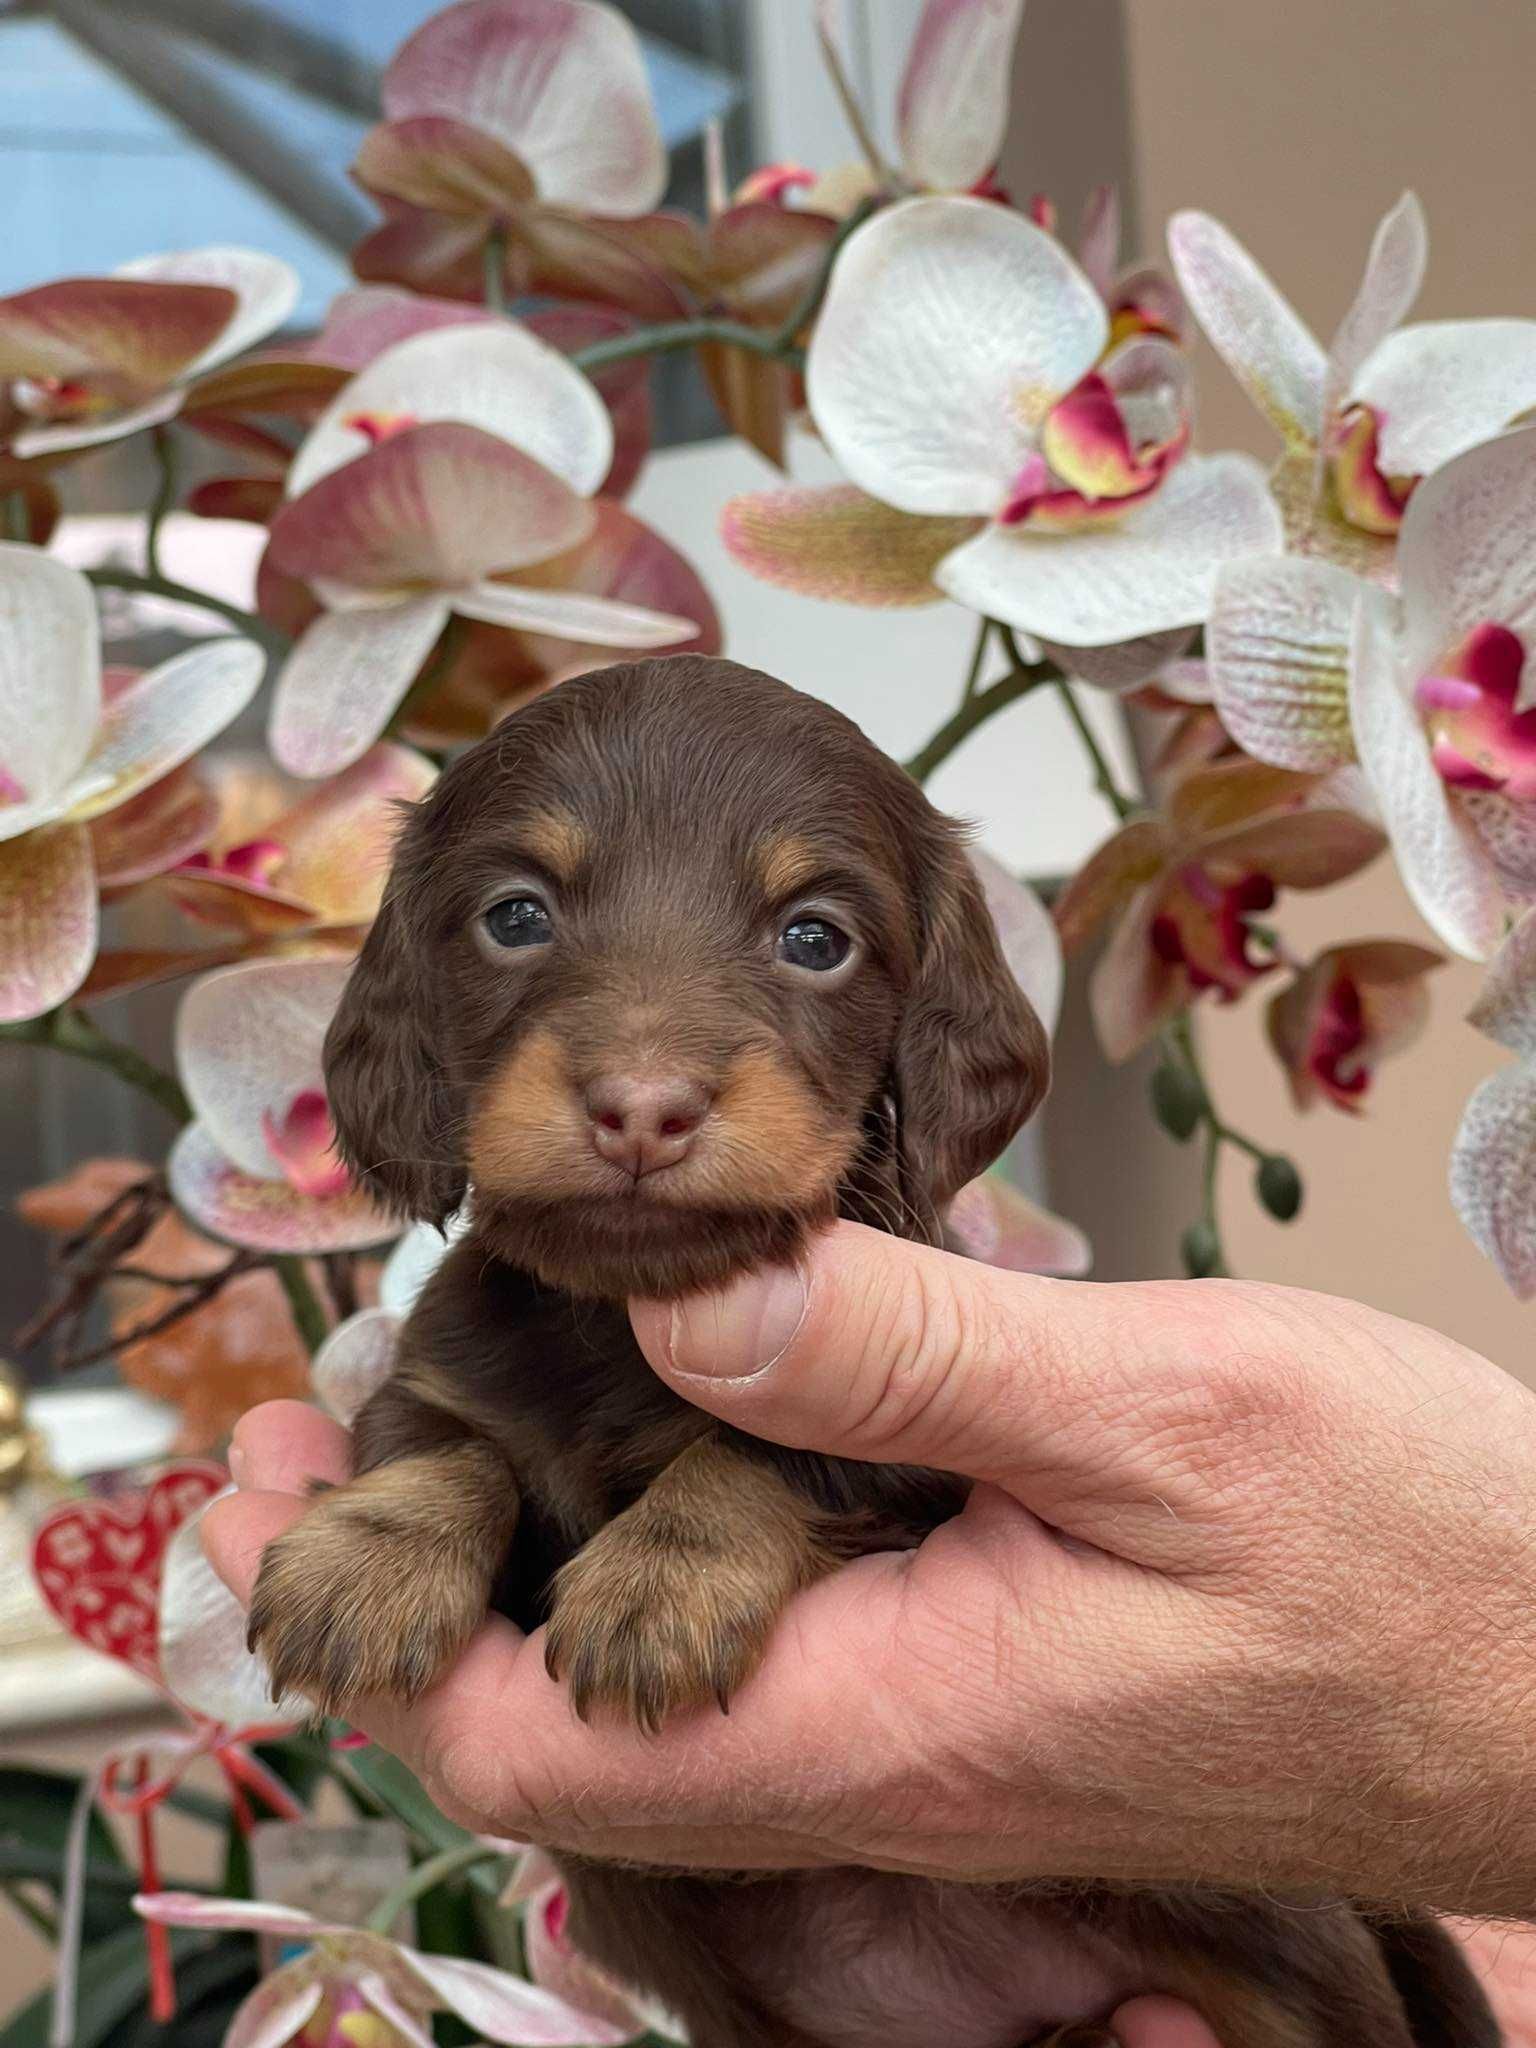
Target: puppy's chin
613	1249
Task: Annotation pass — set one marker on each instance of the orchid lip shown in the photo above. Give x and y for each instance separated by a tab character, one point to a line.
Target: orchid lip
1478	740
11	791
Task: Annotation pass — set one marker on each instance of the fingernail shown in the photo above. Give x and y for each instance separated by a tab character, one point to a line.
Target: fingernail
738	1334
239	1463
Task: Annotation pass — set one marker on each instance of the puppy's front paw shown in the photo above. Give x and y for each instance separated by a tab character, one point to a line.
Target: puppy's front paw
649	1627
347	1605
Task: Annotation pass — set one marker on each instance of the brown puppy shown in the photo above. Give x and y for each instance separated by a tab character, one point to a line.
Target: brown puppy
673	969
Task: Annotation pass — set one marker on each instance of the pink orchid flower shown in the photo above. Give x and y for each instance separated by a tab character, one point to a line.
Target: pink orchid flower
91	359
1178	891
1493	1159
77	746
531	119
1347	1011
1384	405
1434	692
439	481
351	1986
257	1165
996	453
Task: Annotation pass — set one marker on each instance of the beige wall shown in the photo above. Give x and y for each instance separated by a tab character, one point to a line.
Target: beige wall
1299	125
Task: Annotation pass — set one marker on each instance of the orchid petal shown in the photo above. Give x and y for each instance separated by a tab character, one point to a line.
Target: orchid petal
263	1214
33	443
50	683
1149	573
1442	386
1002	1227
570	615
1132	992
232	1916
1098	239
952	111
1505	1010
361	323
338	841
203	1657
355	1360
1443	865
1464	552
495	376
405	2030
278	2010
434	161
161	720
1493	1174
1123	665
949	330
833	541
1227	794
1107	881
555	1964
1252	326
509	2009
1310	849
47	919
136	331
442	504
417	1256
1506	831
166	823
340	684
1277	646
1027	934
1394	271
248	1042
266	293
561	82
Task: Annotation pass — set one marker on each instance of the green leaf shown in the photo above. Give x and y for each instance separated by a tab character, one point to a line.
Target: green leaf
209	1989
113	1985
399	1793
1201	1248
35	1811
1178	1101
1279	1187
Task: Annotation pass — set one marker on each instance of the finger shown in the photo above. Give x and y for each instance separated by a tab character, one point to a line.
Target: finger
236	1529
1071	1397
284	1446
1161	2023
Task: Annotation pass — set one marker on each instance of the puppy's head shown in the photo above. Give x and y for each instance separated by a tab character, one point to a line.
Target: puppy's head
669	967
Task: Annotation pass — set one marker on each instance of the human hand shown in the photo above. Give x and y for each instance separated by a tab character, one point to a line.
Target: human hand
1241	1597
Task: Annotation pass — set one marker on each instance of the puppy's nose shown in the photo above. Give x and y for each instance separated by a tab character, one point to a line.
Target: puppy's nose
645	1121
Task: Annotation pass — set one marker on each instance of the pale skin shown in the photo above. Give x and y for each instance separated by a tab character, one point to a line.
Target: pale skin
1243	1594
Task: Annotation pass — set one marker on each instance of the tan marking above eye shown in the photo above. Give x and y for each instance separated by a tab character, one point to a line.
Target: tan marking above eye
556	841
786	863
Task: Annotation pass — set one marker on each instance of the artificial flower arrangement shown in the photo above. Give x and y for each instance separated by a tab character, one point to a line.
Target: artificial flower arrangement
1338	648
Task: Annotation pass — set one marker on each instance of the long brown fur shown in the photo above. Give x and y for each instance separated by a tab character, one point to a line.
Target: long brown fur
675	815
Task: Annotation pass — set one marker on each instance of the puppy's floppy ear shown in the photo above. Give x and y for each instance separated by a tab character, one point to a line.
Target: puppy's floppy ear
394	1107
972	1060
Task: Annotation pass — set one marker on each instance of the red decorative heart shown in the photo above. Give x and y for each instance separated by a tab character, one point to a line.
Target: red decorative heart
97	1562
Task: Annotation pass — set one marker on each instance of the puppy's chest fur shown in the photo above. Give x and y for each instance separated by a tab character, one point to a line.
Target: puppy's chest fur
560	1387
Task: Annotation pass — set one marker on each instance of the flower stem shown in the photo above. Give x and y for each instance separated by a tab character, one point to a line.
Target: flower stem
274	641
303	1303
164	498
974	709
71	1031
426	1877
847	99
493	270
1103	775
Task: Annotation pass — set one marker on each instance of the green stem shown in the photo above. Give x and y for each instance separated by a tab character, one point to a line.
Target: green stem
426	1877
848	100
275	642
18	525
42	1921
804	311
164	498
978	656
1103	775
493	271
671	335
71	1031
303	1303
974	709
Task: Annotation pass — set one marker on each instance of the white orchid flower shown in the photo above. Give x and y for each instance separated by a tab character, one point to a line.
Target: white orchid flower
1433	692
442	479
997	454
257	1165
1493	1160
90	359
74	746
1384	405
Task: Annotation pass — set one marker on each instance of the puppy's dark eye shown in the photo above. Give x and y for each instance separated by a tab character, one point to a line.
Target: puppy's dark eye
519	921
814	942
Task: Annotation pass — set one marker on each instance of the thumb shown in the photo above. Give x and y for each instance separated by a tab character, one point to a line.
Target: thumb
874	1348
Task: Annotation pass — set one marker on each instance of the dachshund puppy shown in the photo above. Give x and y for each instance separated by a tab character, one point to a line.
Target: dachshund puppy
672	970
